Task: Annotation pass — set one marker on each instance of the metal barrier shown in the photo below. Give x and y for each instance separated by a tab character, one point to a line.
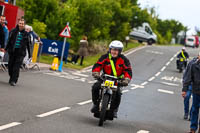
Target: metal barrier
2	63
37	50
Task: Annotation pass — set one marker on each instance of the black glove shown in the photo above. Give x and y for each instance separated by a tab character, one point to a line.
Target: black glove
96	75
125	82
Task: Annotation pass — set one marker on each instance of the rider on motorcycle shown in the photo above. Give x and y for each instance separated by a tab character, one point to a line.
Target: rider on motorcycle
120	67
183	54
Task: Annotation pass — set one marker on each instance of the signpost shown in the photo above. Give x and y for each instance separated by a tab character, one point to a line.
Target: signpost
66	34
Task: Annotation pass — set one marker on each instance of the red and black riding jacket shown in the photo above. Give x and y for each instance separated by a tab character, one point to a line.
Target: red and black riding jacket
122	65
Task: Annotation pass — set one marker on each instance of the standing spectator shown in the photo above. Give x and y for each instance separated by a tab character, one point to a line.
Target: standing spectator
83	49
6	32
18	42
2	35
191	76
33	35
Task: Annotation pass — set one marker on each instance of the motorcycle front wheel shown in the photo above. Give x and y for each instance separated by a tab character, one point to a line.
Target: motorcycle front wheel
104	106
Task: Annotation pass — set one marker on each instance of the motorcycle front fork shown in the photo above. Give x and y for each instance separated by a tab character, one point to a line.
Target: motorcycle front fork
101	94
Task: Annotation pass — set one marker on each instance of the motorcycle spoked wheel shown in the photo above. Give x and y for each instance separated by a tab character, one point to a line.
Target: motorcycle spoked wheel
103	109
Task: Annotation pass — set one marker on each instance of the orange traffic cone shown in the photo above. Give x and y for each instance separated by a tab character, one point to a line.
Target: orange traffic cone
54	65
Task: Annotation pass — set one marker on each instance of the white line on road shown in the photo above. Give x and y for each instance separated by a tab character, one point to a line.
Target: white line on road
85	102
165	91
172	59
53	112
124	91
138	86
142	131
134	50
167	63
163	68
144	83
152	78
79	74
157	74
91	82
13	124
133	88
171	84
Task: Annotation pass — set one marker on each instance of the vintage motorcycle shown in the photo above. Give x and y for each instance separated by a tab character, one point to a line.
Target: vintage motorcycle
181	64
109	86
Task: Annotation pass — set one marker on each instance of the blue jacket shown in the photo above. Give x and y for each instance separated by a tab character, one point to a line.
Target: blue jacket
6	33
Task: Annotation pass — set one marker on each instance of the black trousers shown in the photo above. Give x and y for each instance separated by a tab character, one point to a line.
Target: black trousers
95	96
81	63
14	65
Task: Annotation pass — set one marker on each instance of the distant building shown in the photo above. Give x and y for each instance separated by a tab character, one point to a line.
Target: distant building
181	37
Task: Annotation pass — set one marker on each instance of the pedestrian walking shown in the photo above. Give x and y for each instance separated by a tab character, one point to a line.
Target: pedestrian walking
83	51
6	32
192	76
187	110
18	42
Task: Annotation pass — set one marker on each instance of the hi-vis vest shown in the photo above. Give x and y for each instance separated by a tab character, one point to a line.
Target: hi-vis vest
113	66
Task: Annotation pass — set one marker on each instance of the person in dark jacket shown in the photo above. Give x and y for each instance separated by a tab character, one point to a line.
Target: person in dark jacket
2	34
18	42
192	77
122	67
82	52
187	111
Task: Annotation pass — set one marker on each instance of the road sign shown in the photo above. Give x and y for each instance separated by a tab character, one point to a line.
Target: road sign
65	32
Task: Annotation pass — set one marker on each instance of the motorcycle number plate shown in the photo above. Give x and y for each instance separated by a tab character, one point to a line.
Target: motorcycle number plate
109	83
181	59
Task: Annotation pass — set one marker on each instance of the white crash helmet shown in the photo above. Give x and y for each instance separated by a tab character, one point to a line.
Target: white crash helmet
183	48
116	45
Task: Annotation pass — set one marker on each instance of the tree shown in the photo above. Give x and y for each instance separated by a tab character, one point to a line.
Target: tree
39	28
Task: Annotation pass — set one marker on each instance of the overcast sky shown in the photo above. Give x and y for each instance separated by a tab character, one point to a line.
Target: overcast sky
185	11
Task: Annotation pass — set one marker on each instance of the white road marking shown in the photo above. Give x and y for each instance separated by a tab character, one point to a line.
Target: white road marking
167	78
91	82
138	86
13	124
124	91
79	74
53	112
171	84
89	70
133	88
157	74
163	68
152	78
154	52
142	131
175	79
144	83
167	63
85	102
166	91
134	50
172	59
81	79
178	79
